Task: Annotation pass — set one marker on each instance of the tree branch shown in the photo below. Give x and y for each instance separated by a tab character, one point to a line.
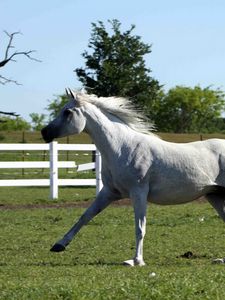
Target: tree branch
4	80
10	42
10	57
9	113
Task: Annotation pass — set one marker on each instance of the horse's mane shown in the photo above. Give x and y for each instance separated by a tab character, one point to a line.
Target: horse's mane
121	108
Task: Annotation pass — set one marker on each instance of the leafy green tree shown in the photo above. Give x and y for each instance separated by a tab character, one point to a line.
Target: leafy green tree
18	123
116	66
37	121
56	105
185	109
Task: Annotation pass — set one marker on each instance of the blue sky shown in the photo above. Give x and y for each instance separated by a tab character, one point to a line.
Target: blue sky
187	37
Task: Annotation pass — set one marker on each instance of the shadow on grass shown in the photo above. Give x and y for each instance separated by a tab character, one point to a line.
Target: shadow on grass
101	263
59	264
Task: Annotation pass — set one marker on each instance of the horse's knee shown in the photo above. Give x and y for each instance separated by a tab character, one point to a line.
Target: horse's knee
140	233
85	218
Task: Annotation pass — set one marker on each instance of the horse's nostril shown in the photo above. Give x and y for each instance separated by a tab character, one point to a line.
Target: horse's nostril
43	132
43	129
45	135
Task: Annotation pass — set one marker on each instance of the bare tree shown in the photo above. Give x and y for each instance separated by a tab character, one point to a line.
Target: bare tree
10	55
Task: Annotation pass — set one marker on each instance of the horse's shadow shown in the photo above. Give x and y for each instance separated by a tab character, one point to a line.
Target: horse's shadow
59	264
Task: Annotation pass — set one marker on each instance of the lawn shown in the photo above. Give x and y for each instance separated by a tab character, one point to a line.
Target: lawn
91	266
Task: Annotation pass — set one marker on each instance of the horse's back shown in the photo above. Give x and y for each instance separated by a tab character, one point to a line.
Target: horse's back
216	145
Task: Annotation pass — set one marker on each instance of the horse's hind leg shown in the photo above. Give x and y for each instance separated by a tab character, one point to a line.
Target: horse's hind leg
139	200
217	200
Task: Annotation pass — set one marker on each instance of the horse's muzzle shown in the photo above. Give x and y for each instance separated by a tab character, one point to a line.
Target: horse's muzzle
45	135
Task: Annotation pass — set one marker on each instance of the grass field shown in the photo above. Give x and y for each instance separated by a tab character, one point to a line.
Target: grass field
91	266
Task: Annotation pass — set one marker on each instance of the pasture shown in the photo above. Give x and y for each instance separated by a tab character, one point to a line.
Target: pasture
91	267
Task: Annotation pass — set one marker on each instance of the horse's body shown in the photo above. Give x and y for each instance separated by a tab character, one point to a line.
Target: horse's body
174	173
138	165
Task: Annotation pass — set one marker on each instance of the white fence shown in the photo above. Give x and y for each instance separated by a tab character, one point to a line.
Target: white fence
54	182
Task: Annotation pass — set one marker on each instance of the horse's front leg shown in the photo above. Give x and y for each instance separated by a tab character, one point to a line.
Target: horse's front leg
139	200
103	199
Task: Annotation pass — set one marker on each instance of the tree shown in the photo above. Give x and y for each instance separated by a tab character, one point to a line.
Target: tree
116	66
8	114
37	121
56	105
9	56
185	109
9	123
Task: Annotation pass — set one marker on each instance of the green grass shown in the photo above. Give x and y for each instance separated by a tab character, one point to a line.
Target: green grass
91	267
41	195
35	137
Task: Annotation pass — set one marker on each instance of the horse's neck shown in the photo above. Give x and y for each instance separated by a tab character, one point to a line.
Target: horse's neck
106	134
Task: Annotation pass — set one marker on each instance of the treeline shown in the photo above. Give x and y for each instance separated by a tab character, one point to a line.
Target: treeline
114	65
180	110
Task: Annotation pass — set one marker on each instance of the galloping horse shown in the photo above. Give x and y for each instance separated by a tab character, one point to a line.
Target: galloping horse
138	164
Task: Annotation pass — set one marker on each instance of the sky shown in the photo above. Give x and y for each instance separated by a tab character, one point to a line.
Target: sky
187	38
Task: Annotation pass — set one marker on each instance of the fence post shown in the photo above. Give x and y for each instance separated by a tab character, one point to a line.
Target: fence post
53	149
98	171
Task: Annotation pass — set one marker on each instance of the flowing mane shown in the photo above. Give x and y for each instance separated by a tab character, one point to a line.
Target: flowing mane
120	107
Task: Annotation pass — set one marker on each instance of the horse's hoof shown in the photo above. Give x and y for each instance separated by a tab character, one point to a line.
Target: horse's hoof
133	262
219	261
58	248
129	263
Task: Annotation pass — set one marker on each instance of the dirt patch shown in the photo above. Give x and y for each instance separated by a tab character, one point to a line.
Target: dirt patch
80	204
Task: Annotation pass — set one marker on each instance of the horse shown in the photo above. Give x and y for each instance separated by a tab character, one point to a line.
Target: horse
138	164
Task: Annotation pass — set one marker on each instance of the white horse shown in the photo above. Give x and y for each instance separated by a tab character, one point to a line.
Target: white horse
138	164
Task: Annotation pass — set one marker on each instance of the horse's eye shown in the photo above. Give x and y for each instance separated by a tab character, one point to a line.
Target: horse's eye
67	112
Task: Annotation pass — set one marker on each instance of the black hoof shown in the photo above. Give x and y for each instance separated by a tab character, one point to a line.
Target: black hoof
58	248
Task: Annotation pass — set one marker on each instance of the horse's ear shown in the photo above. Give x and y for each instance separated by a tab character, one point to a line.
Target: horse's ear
67	92
70	93
74	96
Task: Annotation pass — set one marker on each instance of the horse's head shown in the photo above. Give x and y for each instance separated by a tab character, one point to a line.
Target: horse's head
69	121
